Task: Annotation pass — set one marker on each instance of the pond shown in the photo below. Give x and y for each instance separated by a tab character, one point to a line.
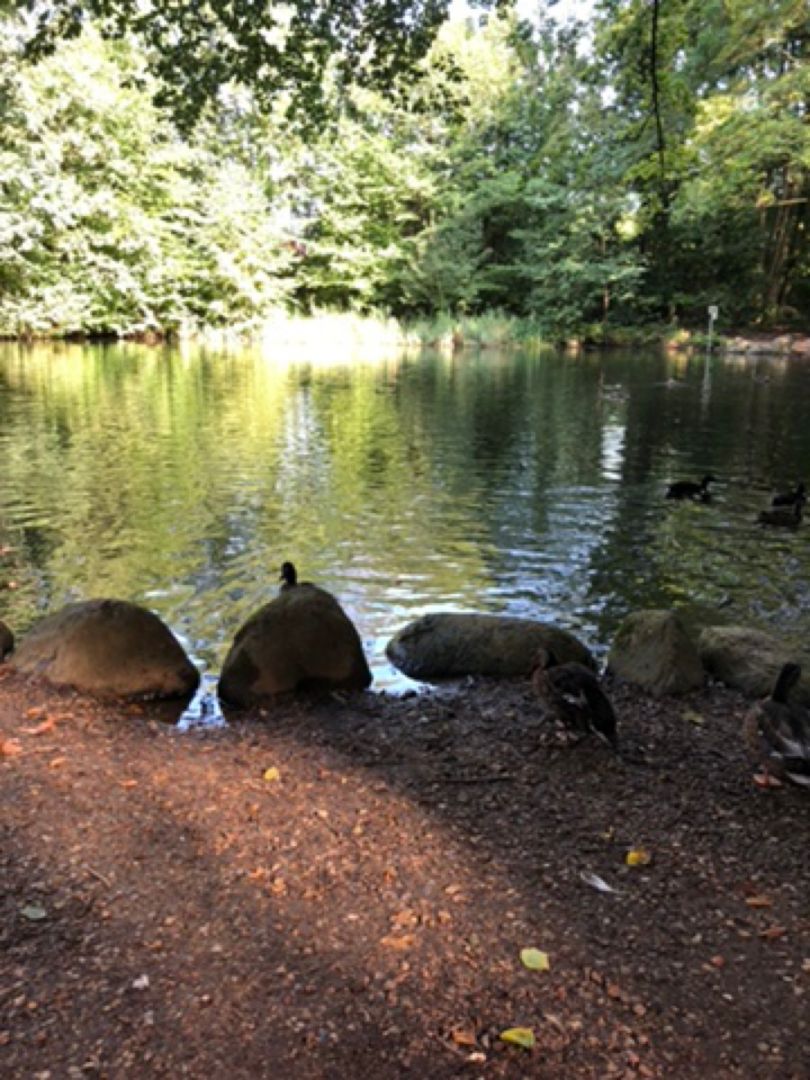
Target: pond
527	484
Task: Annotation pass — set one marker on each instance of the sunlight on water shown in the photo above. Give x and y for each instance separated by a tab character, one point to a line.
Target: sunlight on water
528	485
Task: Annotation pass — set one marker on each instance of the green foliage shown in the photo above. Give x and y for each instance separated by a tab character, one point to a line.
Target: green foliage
110	223
521	173
276	50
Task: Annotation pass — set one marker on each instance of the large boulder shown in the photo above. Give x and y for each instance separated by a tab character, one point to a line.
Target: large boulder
746	659
6	640
109	648
443	645
653	650
302	640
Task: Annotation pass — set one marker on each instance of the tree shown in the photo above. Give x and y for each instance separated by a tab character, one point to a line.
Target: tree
277	50
109	222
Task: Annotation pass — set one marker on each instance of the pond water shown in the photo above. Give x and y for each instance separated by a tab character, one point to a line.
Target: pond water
515	483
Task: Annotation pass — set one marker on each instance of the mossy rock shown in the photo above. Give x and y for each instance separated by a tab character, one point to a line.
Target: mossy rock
653	650
747	660
302	640
445	645
108	648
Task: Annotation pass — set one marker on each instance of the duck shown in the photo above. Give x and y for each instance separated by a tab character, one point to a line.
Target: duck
288	576
6	640
571	693
790	498
778	731
289	580
688	489
788	516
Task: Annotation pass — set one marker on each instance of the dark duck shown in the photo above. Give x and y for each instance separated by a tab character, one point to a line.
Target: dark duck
688	489
787	516
572	695
777	731
288	576
790	498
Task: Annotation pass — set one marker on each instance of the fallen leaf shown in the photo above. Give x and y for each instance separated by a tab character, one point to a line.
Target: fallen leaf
404	919
759	901
718	961
463	1037
57	762
534	959
765	780
127	783
41	729
34	912
141	983
693	717
773	933
638	857
519	1036
596	882
391	941
10	747
271	774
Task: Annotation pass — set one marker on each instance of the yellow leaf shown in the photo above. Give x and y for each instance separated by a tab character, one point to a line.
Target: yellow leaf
519	1037
638	857
271	774
534	959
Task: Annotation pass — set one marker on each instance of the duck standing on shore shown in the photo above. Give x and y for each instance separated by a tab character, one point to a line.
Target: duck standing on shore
572	695
778	731
688	489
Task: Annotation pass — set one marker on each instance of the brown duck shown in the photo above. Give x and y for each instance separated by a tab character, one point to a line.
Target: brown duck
572	695
777	731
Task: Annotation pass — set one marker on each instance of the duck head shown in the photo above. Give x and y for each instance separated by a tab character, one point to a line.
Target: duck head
786	680
288	575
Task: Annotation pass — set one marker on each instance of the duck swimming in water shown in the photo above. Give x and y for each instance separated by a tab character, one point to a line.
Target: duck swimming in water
790	498
572	695
787	516
778	731
688	489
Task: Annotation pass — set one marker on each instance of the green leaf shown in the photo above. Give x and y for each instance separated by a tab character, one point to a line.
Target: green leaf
519	1036
534	959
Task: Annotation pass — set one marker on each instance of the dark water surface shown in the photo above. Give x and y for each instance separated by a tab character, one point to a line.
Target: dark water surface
524	484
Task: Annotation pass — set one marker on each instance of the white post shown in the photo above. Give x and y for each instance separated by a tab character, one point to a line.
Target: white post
714	311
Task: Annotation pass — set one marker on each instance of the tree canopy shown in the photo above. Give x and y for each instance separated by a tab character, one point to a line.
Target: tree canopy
531	169
279	50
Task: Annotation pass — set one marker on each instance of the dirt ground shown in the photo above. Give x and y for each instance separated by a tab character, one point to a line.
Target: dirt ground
343	890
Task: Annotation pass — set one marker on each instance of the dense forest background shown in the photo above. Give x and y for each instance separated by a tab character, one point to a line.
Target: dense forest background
580	178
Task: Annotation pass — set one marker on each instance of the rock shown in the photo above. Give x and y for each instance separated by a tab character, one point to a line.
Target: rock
653	650
747	660
446	645
109	648
301	640
6	640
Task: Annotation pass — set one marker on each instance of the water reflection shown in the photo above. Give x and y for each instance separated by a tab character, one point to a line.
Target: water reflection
531	485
